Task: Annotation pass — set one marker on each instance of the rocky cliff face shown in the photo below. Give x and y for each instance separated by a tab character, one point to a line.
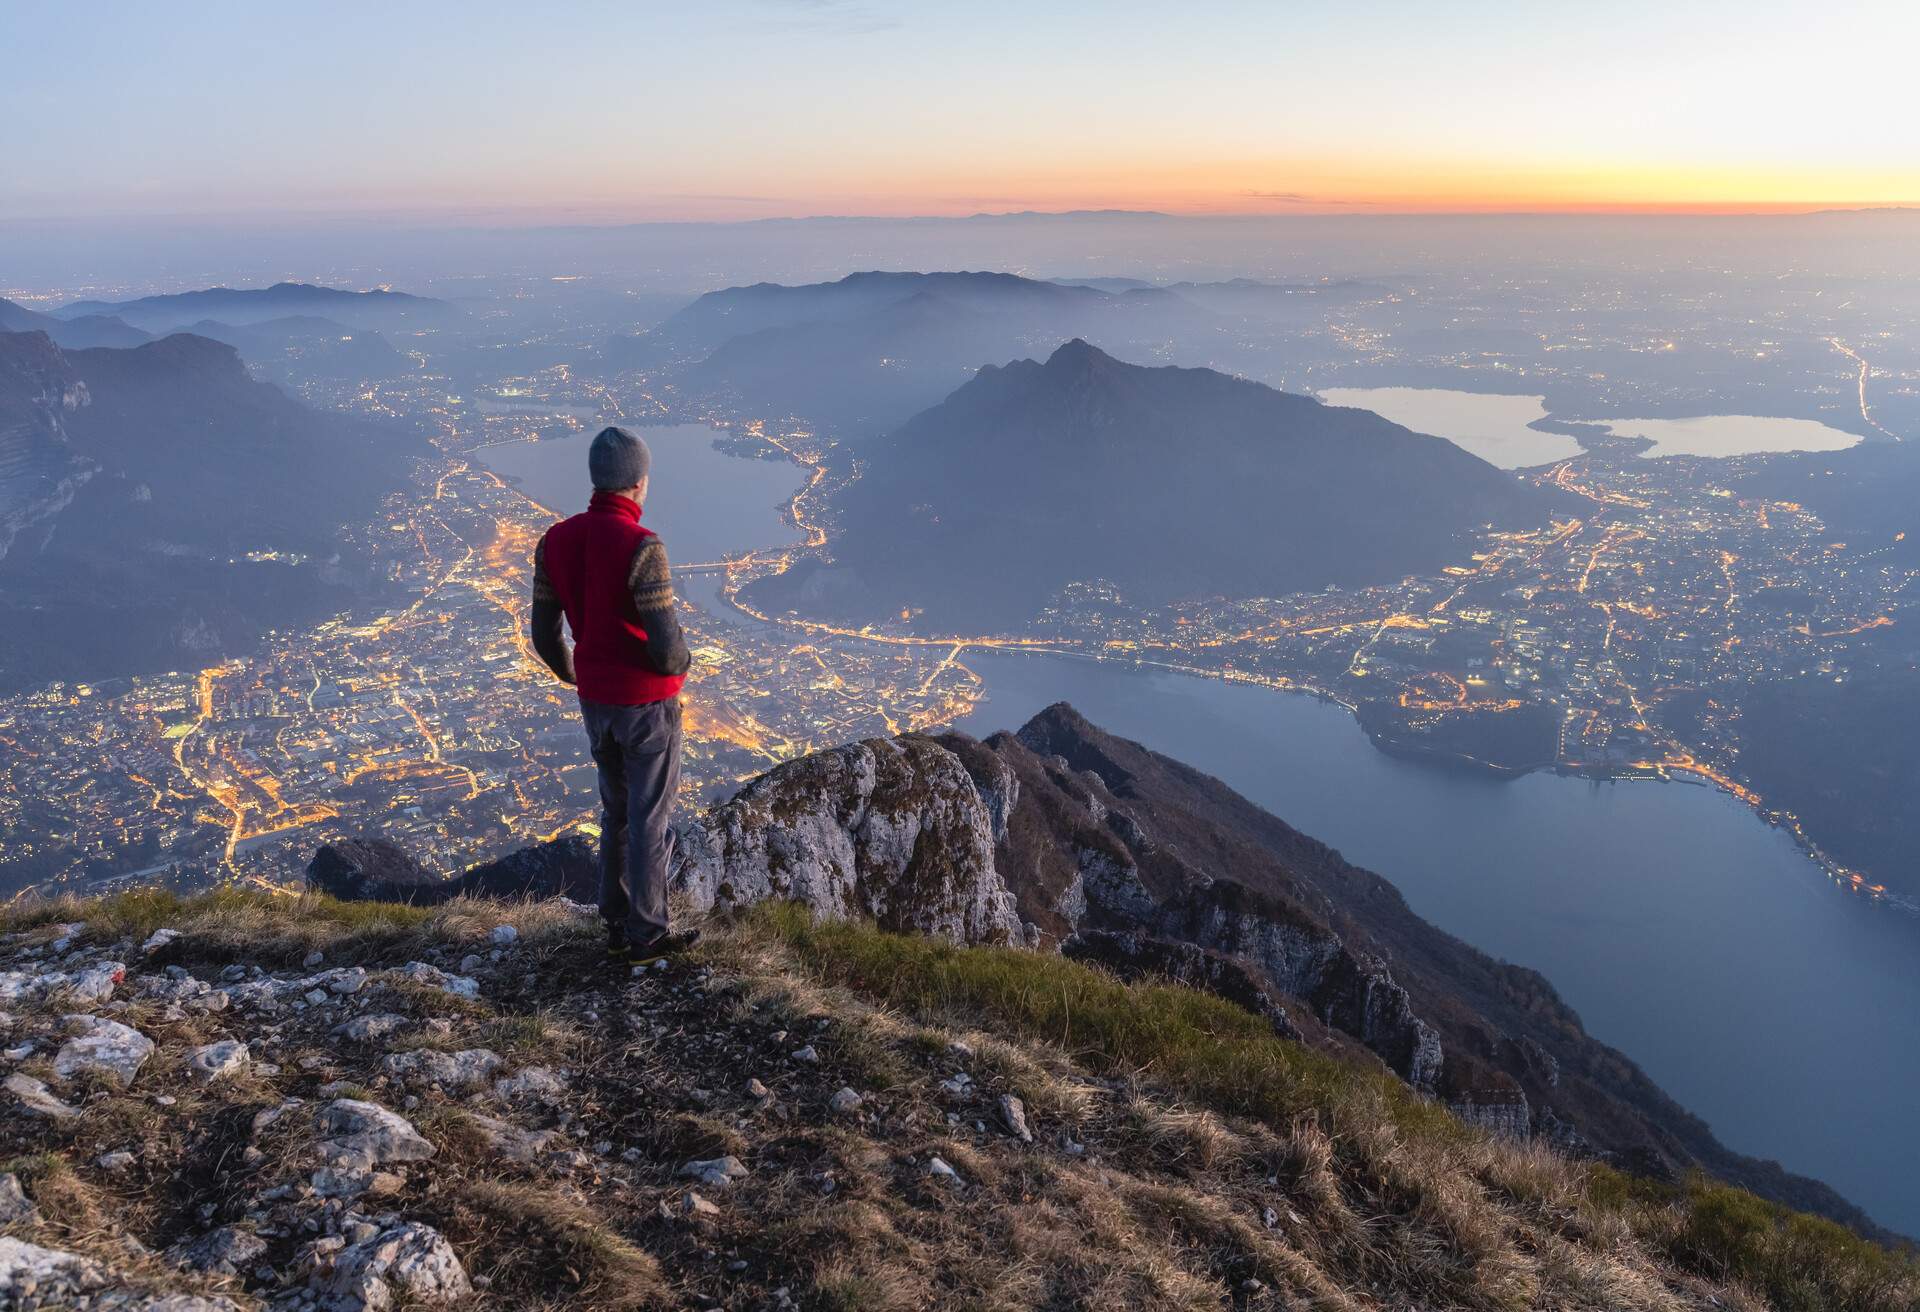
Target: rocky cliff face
39	470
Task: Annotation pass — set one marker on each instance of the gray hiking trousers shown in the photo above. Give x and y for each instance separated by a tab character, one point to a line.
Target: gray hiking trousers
638	751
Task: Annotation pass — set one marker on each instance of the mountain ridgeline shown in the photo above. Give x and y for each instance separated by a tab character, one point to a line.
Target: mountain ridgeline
869	351
1164	482
378	308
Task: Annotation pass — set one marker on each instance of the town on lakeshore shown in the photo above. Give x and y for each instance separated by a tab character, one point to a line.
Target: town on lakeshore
1606	642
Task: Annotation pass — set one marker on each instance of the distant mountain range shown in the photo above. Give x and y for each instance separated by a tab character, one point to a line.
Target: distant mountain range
135	482
79	332
867	352
370	309
1165	482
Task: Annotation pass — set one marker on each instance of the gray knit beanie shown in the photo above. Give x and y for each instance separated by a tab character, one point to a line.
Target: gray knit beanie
618	459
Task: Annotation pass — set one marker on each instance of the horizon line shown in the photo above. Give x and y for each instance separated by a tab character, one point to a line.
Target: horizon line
504	218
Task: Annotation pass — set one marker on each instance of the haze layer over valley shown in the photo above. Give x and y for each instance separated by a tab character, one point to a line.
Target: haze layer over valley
1105	449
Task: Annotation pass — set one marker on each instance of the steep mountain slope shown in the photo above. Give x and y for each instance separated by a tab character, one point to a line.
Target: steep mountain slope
239	1101
378	308
1073	840
190	465
1165	482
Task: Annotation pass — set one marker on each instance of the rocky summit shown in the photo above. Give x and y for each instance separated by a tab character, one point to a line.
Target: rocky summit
1035	1021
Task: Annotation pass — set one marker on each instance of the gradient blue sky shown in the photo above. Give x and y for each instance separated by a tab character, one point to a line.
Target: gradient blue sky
751	108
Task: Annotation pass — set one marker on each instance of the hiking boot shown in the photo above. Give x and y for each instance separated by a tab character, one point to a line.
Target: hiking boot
667	945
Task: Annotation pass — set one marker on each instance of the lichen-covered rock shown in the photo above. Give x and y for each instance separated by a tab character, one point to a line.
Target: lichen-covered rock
35	1098
103	1048
409	1262
456	1072
372	1027
459	986
50	1274
891	829
512	1142
36	1277
534	1084
366	1132
214	1060
91	984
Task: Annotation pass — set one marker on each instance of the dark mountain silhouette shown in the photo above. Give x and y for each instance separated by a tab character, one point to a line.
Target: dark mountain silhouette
159	470
1165	482
77	333
371	309
872	349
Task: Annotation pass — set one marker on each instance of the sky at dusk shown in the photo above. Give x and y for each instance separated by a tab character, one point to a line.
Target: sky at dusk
737	109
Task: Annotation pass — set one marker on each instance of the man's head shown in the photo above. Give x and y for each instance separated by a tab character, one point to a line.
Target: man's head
619	462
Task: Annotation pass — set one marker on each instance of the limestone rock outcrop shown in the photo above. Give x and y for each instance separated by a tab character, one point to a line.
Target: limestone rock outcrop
891	829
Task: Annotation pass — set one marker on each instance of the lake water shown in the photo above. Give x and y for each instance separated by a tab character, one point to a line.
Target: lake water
1731	435
1493	427
704	504
1684	931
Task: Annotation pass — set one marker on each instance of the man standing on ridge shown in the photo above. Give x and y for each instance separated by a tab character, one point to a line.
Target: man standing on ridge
606	574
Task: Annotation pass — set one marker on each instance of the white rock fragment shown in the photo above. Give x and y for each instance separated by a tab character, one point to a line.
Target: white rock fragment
715	1173
806	1054
360	1137
844	1102
215	1060
535	1083
937	1168
1013	1115
97	982
452	1071
104	1048
54	1277
512	1142
503	936
116	1162
371	1028
460	986
159	939
408	1262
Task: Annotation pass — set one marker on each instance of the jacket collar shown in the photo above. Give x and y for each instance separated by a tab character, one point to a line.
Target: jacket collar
612	503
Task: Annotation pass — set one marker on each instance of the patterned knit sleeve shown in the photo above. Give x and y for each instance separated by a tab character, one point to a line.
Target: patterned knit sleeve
549	642
542	582
651	582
